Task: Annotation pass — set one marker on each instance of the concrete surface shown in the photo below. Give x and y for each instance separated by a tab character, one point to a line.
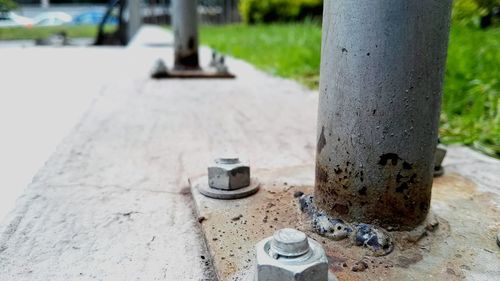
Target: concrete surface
44	92
35	116
112	201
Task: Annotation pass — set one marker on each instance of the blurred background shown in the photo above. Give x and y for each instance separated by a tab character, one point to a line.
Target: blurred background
281	37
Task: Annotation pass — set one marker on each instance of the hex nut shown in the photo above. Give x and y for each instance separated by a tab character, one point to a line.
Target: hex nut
439	155
312	266
289	242
228	174
159	70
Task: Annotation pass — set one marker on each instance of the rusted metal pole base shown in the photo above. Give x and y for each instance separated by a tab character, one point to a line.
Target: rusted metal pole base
160	71
192	74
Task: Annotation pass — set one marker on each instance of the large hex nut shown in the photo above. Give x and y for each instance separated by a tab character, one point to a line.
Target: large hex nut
228	175
439	155
312	266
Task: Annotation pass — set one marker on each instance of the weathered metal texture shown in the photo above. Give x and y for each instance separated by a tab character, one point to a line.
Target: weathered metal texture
380	90
185	25
461	247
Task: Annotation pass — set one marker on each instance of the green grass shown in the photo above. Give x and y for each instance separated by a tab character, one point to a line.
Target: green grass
471	102
291	50
77	31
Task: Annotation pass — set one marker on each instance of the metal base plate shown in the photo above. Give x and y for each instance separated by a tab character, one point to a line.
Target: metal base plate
462	247
202	186
191	74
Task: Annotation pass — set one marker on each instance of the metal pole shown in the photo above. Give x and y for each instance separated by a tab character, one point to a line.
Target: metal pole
134	18
382	70
185	25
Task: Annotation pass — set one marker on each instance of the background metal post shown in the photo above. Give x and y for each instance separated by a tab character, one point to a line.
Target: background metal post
134	18
185	25
380	91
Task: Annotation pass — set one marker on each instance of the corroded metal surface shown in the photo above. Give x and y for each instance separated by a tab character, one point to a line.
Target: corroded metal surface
380	90
461	247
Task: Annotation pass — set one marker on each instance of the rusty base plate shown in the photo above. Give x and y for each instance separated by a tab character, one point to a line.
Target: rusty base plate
462	247
191	74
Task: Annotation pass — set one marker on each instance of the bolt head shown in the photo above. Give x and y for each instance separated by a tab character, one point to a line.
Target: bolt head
228	173
289	242
310	266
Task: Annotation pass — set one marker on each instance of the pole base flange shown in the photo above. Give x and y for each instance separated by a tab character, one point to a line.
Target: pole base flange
160	71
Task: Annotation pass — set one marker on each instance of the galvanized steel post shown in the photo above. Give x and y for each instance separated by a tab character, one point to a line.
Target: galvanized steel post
134	18
185	25
382	69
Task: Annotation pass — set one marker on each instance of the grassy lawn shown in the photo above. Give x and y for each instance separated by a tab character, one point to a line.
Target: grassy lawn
471	102
291	50
77	31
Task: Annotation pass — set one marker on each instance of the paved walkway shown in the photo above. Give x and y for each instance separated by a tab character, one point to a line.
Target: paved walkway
112	201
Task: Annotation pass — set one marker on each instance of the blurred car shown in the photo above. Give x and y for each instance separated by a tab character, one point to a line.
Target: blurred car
52	19
10	19
93	18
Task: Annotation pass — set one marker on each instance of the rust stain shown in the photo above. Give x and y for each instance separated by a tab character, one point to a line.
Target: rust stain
337	264
406	261
401	200
385	158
